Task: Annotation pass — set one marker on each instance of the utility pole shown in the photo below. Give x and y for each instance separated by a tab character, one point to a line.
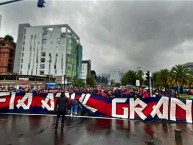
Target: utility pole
150	85
148	78
49	68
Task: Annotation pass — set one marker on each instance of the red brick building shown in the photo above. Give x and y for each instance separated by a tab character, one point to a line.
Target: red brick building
7	55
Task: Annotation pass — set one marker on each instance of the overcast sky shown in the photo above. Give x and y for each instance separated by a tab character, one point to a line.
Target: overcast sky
115	35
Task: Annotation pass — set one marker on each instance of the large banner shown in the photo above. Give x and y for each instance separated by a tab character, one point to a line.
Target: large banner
153	108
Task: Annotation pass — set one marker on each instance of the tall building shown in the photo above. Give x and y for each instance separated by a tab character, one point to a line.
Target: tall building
7	54
48	50
86	69
79	64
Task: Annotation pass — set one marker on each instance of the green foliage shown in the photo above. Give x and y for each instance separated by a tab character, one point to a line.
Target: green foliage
162	78
177	76
181	76
130	78
90	81
78	82
8	38
117	84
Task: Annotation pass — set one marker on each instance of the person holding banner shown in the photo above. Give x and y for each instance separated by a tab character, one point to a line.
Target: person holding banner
61	106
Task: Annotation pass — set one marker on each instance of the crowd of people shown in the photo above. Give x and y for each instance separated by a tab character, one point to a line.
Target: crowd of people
70	105
107	92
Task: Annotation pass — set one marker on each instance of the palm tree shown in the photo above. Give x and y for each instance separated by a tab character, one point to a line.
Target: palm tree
181	76
155	79
130	78
140	77
163	78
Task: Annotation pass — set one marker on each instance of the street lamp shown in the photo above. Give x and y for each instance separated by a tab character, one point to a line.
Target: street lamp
64	80
49	68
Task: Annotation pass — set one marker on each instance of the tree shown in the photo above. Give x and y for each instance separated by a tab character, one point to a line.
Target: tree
8	38
78	82
130	78
155	79
117	84
140	77
90	81
163	78
181	76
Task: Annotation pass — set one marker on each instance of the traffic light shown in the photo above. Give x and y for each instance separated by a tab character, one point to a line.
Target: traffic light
147	75
41	3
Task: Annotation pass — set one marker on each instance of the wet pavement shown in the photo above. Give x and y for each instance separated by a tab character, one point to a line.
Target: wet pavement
81	130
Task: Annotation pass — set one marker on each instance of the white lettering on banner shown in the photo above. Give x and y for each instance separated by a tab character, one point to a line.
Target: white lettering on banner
20	103
114	107
12	100
2	100
84	99
81	99
187	107
4	94
164	109
72	96
156	108
49	97
58	95
67	95
133	108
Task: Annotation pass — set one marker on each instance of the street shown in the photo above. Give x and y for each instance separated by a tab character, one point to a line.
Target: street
85	130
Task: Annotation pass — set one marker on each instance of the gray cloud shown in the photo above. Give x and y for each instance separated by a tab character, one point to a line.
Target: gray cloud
116	35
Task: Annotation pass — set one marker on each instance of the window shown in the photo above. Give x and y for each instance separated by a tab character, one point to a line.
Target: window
43	54
68	52
44	41
41	72
42	59
43	48
44	35
58	41
42	66
69	66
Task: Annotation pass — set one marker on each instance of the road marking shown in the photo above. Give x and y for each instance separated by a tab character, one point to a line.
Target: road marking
75	116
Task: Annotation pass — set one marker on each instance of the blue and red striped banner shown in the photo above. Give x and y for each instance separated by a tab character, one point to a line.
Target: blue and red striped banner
153	108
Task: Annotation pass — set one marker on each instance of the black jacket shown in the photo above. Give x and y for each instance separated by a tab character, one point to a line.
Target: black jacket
61	104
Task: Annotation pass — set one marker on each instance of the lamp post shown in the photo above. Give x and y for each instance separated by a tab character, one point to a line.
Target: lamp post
49	68
64	80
